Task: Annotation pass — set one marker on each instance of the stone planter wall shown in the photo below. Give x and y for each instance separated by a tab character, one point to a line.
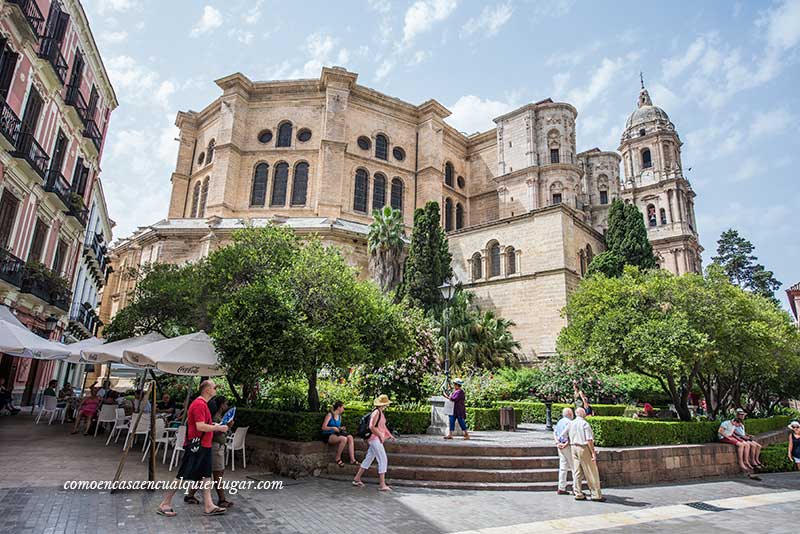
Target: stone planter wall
651	465
288	458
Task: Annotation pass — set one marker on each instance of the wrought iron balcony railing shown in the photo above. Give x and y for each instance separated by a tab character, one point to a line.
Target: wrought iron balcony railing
49	49
92	132
75	99
12	269
57	184
32	152
80	213
9	124
32	14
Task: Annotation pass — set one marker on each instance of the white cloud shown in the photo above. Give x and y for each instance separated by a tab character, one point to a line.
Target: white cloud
381	6
418	57
242	36
473	114
747	169
770	123
209	21
137	84
490	20
111	37
674	66
164	91
663	97
423	14
111	6
599	83
552	8
782	25
253	15
384	69
321	50
560	82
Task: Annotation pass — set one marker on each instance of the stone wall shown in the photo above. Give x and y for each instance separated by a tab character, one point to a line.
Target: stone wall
288	458
651	465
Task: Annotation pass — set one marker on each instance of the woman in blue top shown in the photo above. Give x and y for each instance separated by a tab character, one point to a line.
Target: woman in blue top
334	433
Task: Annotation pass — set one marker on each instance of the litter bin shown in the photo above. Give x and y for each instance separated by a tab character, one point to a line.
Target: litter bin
508	419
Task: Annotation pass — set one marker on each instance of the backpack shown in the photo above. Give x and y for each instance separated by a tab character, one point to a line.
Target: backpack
363	424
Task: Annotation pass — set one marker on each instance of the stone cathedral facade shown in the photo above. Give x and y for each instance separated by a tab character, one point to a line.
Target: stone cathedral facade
524	211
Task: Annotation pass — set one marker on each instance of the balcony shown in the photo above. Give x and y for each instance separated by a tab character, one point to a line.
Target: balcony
78	212
75	99
12	269
32	152
41	282
9	124
92	132
32	15
86	319
95	252
59	186
49	49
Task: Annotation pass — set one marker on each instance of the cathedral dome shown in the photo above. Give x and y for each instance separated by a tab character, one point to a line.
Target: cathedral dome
646	114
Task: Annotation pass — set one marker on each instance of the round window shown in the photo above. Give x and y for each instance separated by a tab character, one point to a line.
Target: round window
398	153
461	182
304	135
201	158
265	136
364	143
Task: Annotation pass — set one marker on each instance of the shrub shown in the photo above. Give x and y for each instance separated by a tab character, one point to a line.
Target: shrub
289	395
633	387
623	432
775	458
485	388
534	412
483	419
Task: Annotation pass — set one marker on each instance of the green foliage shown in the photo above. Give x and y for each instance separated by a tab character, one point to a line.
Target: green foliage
626	240
735	256
483	419
775	458
624	432
385	244
559	377
306	426
483	388
632	388
477	340
608	263
535	412
428	263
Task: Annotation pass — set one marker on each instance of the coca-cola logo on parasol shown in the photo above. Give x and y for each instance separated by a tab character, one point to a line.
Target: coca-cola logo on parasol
191	370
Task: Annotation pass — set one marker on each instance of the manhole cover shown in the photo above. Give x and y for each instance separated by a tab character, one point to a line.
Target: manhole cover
704	506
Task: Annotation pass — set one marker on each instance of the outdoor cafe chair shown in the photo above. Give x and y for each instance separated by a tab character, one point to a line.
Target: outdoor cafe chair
161	438
105	415
236	443
142	430
121	422
180	437
51	407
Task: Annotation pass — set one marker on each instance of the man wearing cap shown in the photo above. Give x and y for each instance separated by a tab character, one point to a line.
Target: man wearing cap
458	398
738	429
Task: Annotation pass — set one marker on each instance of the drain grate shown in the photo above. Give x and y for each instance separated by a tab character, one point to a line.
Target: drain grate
704	506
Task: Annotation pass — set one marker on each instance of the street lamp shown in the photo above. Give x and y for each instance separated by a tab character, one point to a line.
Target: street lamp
447	289
50	323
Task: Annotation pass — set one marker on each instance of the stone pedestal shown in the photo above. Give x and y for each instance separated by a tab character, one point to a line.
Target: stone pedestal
440	421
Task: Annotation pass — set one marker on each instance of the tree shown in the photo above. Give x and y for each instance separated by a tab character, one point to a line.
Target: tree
385	243
735	256
428	263
313	313
626	240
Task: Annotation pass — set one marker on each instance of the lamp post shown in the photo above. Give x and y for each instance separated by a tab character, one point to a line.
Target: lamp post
447	289
50	325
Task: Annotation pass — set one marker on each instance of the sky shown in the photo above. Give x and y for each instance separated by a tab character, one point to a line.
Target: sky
727	73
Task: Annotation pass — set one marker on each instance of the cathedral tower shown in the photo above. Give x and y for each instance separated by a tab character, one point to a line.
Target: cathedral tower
654	182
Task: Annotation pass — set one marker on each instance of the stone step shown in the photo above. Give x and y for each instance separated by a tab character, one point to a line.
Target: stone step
470	462
445	474
444	484
461	448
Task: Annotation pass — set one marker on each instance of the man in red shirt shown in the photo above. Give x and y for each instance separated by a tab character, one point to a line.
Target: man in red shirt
197	460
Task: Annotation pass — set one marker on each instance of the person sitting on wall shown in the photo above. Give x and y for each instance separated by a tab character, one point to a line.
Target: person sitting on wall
738	429
334	433
727	434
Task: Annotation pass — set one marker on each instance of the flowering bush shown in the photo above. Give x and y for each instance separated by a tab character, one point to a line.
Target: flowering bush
559	376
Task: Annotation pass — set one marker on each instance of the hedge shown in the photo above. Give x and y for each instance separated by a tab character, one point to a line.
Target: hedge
624	432
775	458
305	426
483	418
534	412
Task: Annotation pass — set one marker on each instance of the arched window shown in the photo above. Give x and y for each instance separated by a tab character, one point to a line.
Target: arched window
494	260
663	214
449	172
448	215
397	194
511	260
201	211
279	184
556	198
360	191
378	191
381	147
582	262
284	134
300	184
258	194
210	151
603	196
195	199
459	216
651	215
477	267
589	255
647	160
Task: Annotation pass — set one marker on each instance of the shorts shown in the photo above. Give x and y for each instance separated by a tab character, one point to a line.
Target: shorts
197	462
729	440
218	456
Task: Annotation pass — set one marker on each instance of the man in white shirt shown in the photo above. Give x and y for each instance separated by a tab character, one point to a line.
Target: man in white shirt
584	458
560	434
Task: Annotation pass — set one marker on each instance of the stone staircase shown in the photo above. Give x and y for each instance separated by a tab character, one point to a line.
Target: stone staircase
460	465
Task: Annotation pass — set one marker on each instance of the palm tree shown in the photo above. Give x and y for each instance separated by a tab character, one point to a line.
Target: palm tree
386	243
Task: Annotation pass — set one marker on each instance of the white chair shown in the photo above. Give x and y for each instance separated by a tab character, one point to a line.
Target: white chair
142	430
50	406
106	415
236	443
121	422
161	437
180	437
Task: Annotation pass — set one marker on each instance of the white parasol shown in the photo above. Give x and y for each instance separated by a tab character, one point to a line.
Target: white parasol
112	352
18	341
7	315
76	348
189	355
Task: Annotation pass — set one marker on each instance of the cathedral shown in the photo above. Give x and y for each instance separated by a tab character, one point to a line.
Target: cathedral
524	211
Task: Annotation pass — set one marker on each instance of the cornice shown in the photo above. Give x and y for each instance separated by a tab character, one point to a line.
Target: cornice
91	52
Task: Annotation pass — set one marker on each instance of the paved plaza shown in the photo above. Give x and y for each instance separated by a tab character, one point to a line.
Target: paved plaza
37	460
